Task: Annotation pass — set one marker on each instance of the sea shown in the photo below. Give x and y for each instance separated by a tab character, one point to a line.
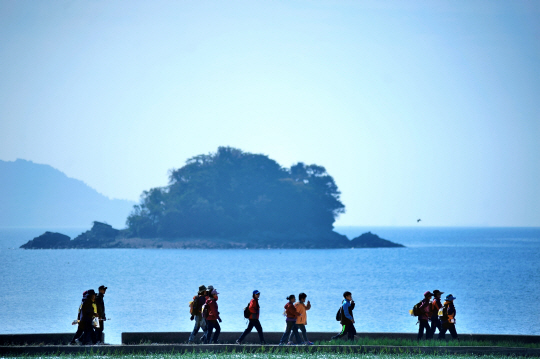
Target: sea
493	272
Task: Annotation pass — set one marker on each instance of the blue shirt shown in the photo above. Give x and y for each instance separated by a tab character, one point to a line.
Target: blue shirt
346	305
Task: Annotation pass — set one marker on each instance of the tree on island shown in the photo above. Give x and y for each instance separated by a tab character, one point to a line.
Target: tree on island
234	193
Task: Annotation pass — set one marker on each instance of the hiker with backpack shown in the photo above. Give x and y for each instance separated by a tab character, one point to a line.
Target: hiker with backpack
448	318
251	312
423	311
291	313
346	318
435	307
196	314
301	320
211	315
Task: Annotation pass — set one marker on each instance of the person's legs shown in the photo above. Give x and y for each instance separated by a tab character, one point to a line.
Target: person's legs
452	330
78	333
342	333
285	335
196	328
258	326
210	329
302	328
424	324
216	334
443	331
248	330
296	335
351	331
87	337
435	324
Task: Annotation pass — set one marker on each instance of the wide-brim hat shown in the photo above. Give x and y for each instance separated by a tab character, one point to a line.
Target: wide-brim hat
436	291
428	293
256	292
202	288
450	297
102	287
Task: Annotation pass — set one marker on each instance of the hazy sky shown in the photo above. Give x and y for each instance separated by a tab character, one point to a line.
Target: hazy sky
417	109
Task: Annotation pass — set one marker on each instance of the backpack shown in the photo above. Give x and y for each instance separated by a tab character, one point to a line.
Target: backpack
416	309
443	314
338	314
204	311
247	313
194	307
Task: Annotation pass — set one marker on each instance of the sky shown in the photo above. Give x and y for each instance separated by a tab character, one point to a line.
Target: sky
418	109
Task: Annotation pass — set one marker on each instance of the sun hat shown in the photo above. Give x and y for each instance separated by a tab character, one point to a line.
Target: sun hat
202	288
214	292
436	291
256	292
450	297
428	293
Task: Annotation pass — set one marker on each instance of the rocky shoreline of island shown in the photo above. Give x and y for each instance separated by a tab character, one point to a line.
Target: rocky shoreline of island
103	235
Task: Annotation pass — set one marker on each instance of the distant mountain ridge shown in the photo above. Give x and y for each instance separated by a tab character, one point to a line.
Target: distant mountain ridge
37	195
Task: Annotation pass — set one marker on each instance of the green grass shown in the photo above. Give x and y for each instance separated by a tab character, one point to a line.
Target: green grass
430	343
280	355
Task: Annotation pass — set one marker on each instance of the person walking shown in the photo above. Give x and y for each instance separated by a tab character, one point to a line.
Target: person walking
254	310
424	315
100	305
435	307
301	321
449	318
88	312
347	318
213	319
80	329
200	323
291	314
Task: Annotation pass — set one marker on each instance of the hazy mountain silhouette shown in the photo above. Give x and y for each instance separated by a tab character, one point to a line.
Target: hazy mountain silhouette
36	195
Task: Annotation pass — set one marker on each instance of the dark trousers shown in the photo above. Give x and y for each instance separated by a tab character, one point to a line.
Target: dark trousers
302	328
211	325
291	326
435	324
253	323
88	336
78	333
451	328
348	329
99	331
424	324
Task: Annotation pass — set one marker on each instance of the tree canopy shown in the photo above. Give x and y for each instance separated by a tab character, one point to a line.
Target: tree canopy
234	193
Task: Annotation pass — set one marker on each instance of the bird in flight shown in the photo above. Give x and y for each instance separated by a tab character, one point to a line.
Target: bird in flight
418	220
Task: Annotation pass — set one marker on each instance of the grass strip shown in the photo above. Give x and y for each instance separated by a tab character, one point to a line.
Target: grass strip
282	353
429	343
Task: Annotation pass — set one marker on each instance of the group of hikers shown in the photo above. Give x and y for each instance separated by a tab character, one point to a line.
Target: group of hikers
442	316
204	311
91	318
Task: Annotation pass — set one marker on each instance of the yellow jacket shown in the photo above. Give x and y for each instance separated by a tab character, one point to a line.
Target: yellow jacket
302	308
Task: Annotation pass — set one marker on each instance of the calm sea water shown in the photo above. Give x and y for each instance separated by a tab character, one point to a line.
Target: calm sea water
493	272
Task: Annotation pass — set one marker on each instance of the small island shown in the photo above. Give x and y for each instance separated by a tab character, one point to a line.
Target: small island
229	199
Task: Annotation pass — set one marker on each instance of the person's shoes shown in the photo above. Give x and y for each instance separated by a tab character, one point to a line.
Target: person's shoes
281	344
290	343
78	342
190	342
238	342
308	343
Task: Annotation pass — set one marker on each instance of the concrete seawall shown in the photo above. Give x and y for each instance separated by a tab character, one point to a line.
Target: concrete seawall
274	337
230	338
